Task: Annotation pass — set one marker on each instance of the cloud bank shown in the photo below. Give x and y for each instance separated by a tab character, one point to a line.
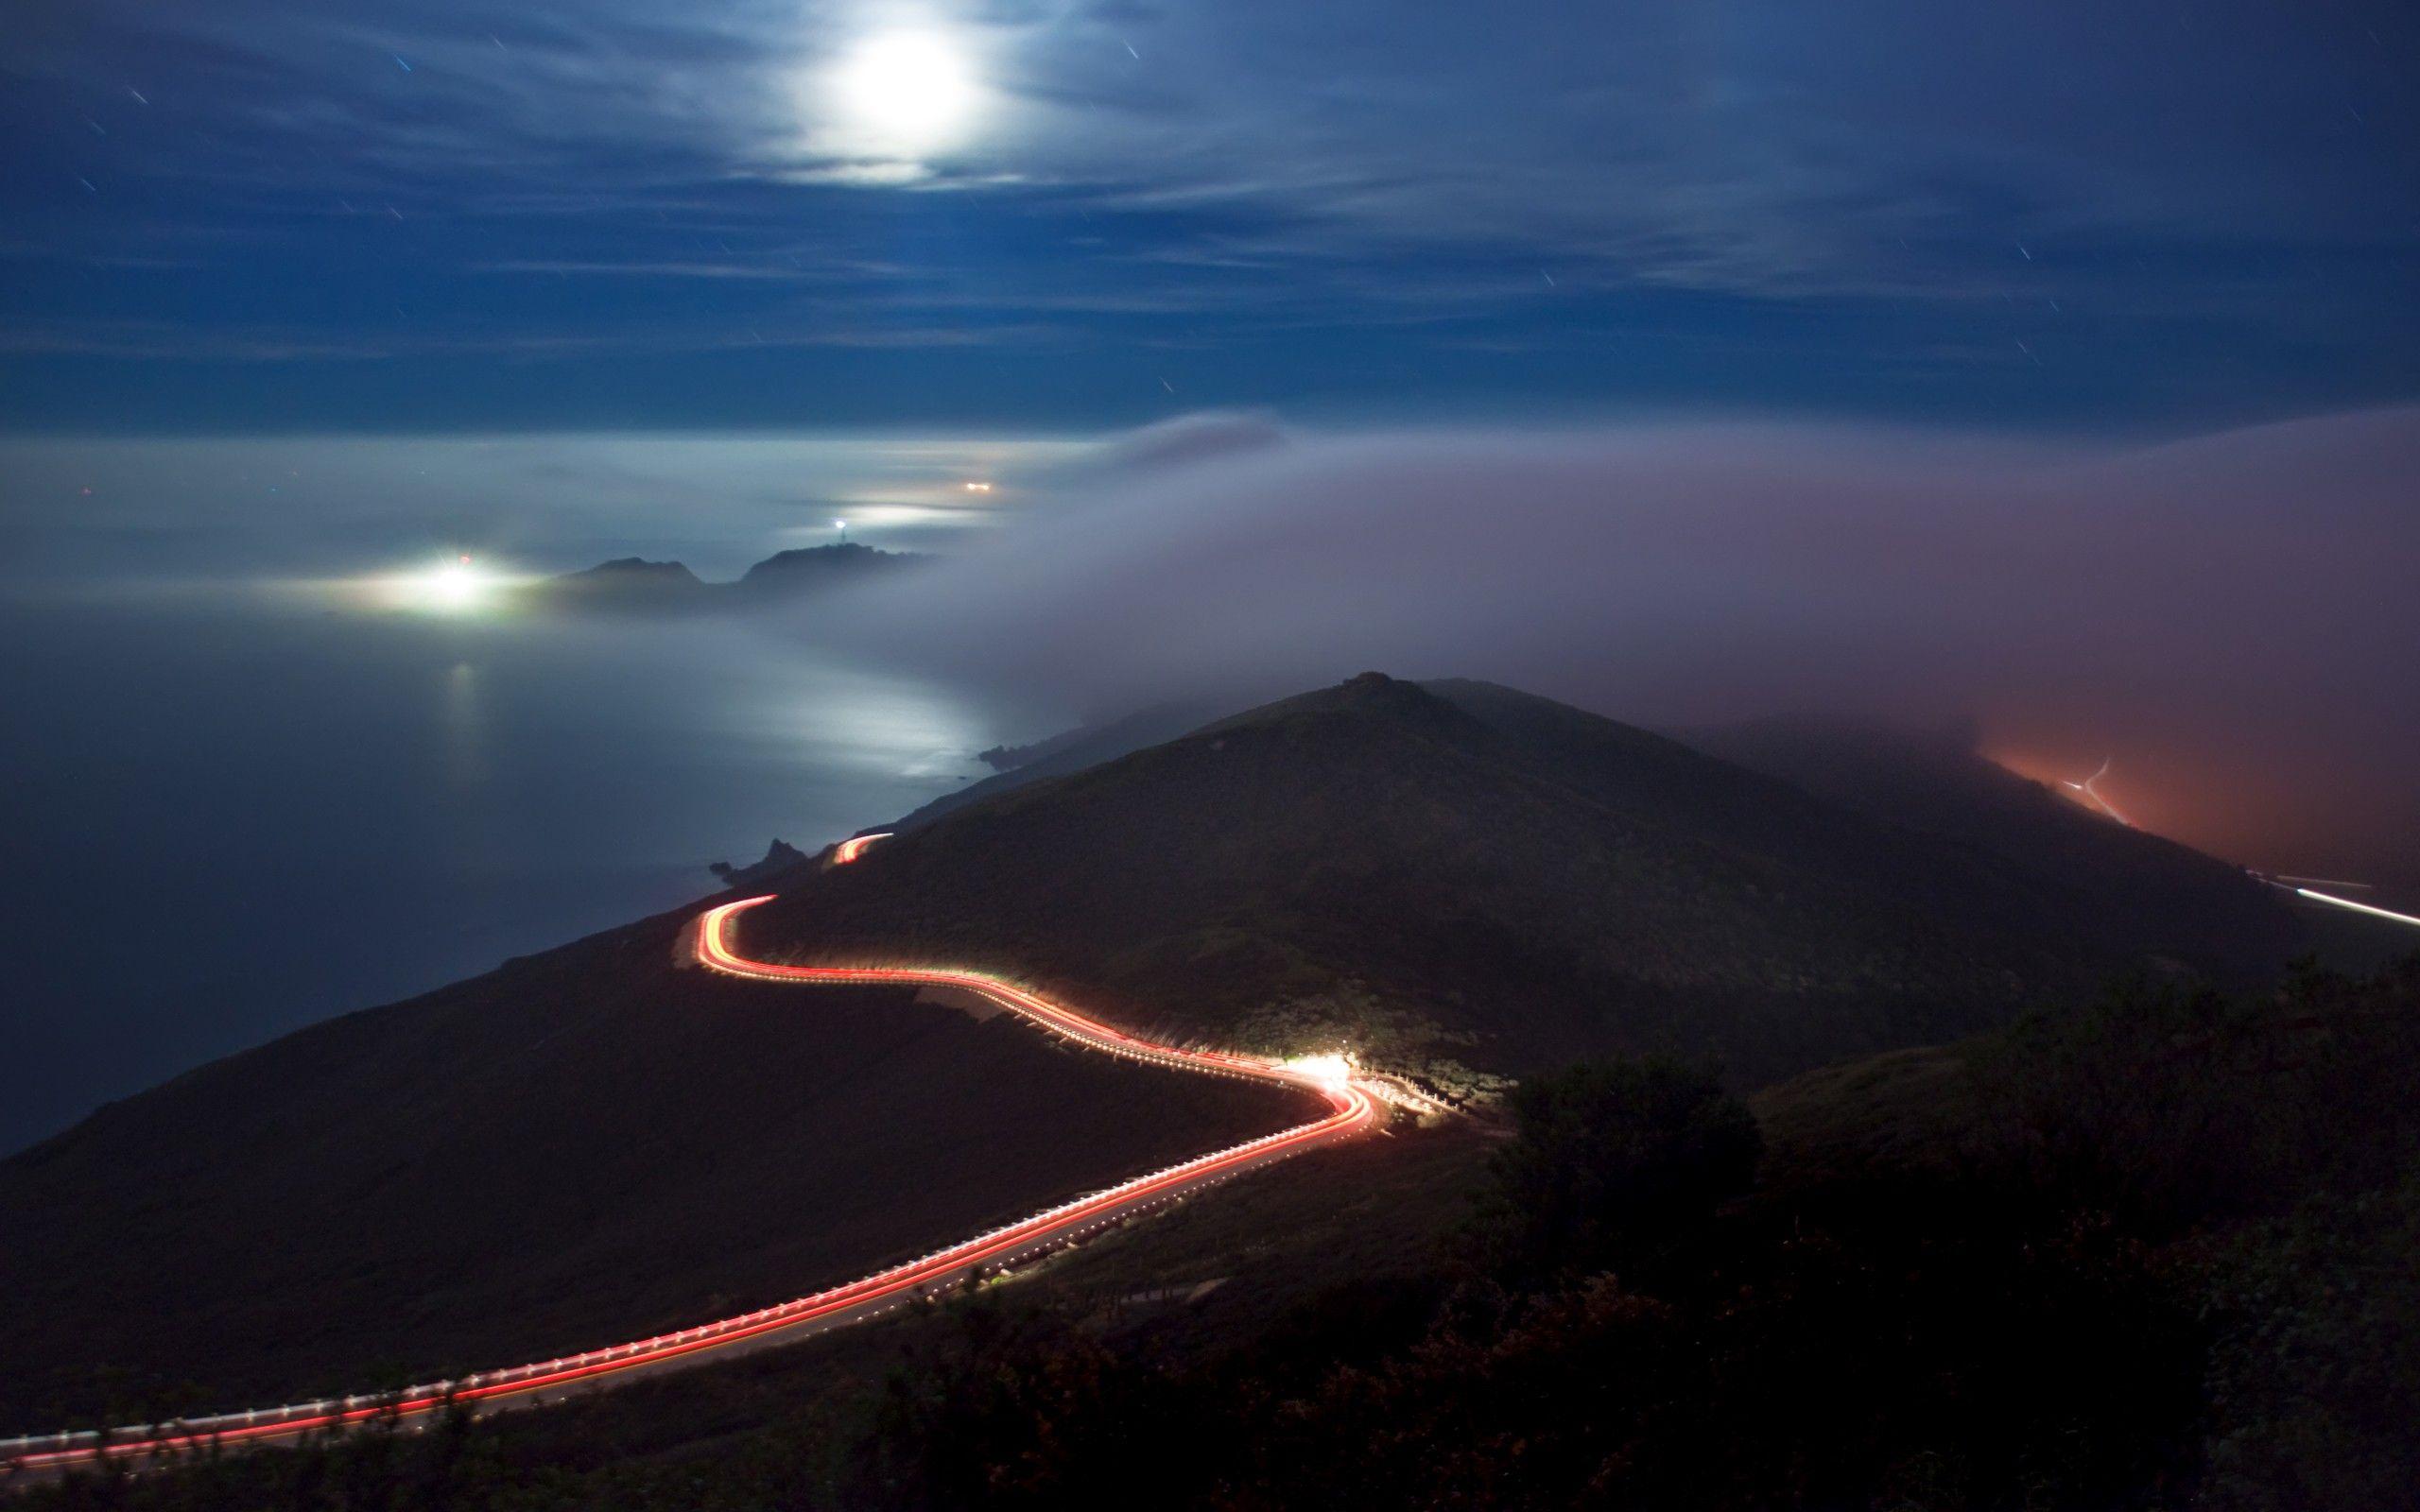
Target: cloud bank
2231	619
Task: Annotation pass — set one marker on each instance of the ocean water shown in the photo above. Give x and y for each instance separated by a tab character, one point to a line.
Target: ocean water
228	816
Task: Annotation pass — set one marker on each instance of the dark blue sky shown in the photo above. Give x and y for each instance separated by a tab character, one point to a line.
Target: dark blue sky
433	214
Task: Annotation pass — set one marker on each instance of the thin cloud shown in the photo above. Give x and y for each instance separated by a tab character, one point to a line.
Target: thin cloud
1630	142
2174	227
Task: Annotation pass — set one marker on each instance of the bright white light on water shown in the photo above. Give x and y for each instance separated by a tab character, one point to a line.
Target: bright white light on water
459	585
905	93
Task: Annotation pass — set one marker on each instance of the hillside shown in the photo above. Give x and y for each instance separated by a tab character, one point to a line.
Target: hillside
1066	754
585	1145
2174	900
2156	898
1459	879
1469	875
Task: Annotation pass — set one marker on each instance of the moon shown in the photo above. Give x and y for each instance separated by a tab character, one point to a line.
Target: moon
905	93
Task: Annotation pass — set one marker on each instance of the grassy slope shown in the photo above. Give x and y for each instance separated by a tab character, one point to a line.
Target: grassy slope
2165	898
721	1436
585	1146
1530	882
1065	754
2149	896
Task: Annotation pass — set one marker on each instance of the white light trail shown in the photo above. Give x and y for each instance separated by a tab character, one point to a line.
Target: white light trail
2359	908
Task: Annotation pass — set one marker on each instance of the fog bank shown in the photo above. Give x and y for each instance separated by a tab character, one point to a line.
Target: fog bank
2231	620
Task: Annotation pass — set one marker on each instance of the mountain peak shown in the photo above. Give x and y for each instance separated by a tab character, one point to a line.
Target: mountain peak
626	584
843	555
1368	696
633	568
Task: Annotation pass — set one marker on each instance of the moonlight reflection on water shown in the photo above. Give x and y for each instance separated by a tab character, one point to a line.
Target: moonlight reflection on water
419	797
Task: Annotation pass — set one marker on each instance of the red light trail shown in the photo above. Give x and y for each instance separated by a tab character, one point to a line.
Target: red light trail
1351	1110
849	850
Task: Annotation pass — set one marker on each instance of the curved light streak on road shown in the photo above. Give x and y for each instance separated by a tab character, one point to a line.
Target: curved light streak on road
2089	788
1351	1110
854	847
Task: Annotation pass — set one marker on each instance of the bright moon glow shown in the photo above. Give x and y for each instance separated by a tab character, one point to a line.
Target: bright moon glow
904	93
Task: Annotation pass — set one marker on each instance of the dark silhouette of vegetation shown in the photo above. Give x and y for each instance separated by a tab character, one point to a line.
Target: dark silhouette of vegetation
1615	1160
959	1428
2141	1102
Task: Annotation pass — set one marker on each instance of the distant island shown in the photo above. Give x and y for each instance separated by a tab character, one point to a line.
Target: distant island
779	856
632	585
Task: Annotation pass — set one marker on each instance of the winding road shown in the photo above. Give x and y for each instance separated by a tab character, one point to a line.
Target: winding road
1352	1107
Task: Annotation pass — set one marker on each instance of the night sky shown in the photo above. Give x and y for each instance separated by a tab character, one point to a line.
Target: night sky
272	215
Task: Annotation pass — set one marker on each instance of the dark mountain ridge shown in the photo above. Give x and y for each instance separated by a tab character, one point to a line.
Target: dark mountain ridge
1464	872
2176	905
811	567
